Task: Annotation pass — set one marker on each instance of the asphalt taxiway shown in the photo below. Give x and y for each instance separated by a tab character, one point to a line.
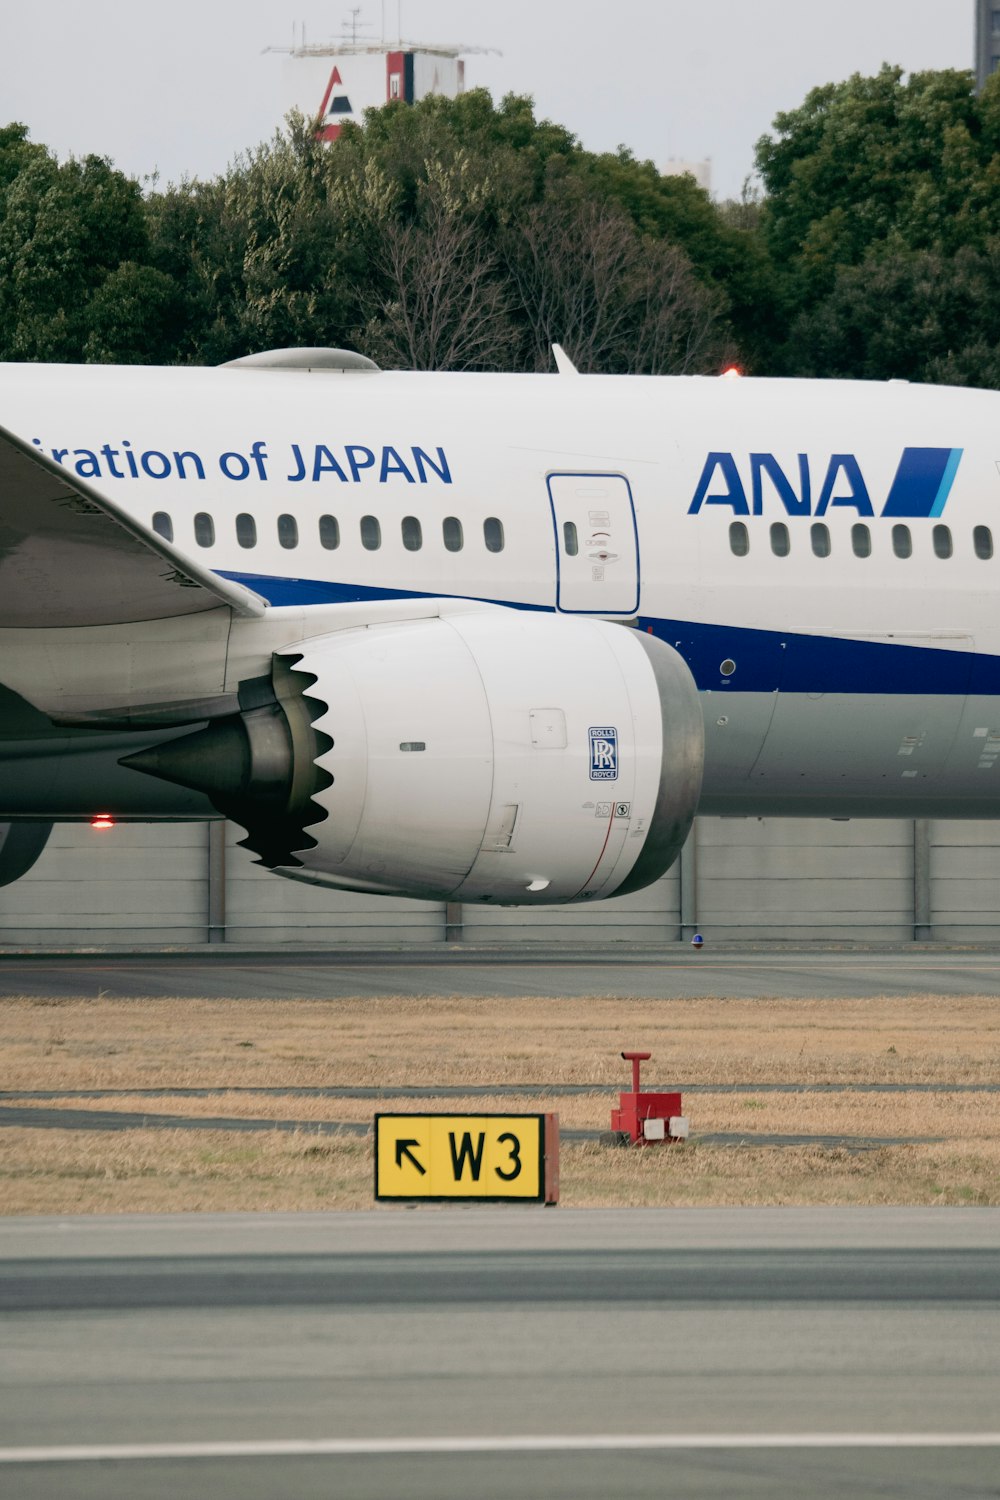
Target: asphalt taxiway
443	1353
497	1352
220	972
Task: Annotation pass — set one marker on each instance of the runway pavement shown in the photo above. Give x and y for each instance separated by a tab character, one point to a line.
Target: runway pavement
675	971
542	1353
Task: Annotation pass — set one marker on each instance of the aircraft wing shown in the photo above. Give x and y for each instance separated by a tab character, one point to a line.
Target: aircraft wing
69	556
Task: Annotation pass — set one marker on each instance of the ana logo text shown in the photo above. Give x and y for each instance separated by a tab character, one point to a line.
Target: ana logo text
919	491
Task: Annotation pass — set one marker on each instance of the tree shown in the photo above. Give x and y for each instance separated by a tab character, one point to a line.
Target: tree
861	180
908	315
454	233
64	229
566	247
438	303
261	254
132	317
529	162
16	151
617	302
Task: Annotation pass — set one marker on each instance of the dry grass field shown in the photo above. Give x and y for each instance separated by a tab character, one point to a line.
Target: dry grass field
396	1043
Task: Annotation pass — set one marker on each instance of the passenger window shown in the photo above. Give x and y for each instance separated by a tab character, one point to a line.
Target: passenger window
413	537
163	526
329	533
288	531
861	540
902	542
371	533
571	541
819	534
451	529
246	530
982	540
493	534
739	539
204	529
942	541
780	544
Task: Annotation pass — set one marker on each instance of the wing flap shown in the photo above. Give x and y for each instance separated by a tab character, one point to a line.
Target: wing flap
69	556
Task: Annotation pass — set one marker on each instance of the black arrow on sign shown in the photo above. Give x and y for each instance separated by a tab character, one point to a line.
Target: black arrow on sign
403	1149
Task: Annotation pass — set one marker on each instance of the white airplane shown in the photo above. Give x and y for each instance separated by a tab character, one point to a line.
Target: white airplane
490	637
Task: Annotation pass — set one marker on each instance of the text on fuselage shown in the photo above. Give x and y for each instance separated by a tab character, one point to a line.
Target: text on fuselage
315	463
920	488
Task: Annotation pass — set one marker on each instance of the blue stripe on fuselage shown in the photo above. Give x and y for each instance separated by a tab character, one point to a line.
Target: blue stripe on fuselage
295	591
766	660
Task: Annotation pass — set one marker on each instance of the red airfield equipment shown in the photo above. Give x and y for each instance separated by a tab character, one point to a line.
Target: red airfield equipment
643	1118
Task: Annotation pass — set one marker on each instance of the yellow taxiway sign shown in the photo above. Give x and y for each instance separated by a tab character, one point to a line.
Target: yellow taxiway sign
485	1157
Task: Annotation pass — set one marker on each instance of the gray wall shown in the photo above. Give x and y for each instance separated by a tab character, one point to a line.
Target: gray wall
738	878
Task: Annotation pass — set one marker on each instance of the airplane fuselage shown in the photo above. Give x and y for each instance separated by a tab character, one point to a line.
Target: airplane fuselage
824	556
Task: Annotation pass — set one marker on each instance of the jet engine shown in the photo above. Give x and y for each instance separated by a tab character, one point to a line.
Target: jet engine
496	755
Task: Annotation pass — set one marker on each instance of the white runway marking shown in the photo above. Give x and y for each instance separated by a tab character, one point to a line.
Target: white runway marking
552	1443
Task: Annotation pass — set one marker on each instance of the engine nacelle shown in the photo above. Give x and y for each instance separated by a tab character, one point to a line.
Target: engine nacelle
484	756
21	844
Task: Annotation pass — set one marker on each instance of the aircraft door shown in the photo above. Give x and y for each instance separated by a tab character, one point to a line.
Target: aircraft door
597	544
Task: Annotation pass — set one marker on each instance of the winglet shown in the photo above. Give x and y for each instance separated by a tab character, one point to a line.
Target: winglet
564	364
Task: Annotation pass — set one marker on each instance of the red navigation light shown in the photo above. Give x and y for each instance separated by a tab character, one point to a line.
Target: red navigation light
102	822
732	372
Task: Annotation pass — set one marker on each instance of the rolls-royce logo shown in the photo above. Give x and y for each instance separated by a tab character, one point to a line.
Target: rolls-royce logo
603	754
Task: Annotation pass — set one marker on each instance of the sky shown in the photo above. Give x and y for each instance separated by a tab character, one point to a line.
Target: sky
180	89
